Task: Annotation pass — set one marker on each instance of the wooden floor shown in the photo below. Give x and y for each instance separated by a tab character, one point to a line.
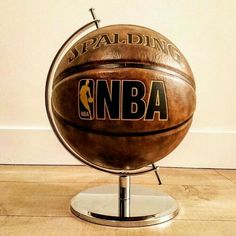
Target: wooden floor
35	200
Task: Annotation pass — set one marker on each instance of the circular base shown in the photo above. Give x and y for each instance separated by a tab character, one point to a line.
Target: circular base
147	206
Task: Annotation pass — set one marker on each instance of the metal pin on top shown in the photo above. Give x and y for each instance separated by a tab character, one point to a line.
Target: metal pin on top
92	10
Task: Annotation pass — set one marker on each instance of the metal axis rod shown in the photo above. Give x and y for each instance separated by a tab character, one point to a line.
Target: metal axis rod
92	10
124	196
156	173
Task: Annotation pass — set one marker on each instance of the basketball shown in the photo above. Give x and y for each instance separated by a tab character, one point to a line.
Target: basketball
123	97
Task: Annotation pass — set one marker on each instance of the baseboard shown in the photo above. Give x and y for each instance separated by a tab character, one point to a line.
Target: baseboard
200	149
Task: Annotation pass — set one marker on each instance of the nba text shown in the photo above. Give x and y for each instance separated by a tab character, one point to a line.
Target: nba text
122	100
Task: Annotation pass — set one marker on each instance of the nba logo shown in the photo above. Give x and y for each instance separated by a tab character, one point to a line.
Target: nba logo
86	99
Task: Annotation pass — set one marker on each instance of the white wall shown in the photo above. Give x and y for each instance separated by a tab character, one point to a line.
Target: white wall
31	32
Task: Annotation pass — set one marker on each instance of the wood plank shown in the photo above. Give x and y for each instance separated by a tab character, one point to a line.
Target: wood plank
84	174
229	174
65	174
53	199
35	200
61	226
184	176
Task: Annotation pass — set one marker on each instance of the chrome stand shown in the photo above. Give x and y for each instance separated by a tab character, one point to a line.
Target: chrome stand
124	206
124	196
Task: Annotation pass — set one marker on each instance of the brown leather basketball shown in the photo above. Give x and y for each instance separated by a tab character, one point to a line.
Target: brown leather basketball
123	97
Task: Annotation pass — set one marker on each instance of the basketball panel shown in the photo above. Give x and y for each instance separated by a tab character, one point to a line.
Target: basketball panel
173	104
121	152
126	43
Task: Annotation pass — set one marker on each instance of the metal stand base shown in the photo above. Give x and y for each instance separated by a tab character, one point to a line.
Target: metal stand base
102	205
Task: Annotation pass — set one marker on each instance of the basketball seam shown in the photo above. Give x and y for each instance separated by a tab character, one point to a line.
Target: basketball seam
119	64
173	77
120	134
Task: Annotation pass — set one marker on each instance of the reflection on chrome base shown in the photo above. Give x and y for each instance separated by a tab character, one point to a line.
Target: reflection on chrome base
113	206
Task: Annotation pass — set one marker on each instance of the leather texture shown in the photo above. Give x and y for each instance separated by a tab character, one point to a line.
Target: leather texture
123	53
